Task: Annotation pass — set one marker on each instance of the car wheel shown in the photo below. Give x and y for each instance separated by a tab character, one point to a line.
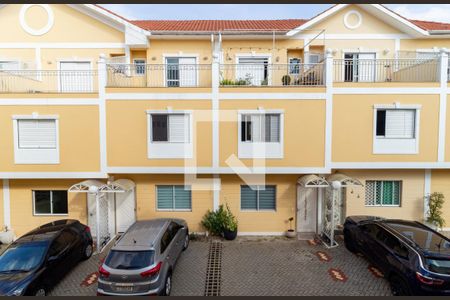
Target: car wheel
399	287
348	242
87	251
40	292
167	285
186	242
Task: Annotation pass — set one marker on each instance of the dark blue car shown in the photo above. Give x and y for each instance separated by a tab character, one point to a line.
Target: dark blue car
34	263
414	258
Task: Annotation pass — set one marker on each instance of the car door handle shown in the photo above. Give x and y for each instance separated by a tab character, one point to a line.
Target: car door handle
167	257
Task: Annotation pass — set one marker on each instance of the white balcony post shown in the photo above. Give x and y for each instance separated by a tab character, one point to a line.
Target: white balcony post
102	82
328	106
443	77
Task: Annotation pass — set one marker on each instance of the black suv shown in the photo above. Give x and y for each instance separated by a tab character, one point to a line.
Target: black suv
37	261
414	258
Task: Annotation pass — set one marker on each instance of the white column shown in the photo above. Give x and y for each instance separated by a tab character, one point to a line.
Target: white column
215	78
426	192
328	106
443	78
306	52
6	204
102	81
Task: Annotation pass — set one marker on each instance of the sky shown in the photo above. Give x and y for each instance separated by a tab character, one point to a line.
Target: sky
431	12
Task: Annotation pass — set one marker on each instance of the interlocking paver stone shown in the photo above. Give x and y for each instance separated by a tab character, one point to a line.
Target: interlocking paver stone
257	266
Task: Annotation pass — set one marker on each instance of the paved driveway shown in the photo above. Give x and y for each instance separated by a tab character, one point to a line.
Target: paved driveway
257	266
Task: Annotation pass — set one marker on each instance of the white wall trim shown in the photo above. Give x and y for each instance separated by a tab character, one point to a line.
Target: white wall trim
442	105
388	90
6	204
48	101
219	170
102	111
261	233
390	165
41	31
61	45
347	15
426	192
51	175
354	36
272	96
328	110
158	96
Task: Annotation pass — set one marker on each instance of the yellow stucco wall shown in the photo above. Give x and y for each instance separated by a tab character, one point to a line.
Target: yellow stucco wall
353	128
69	26
78	138
440	182
202	201
304	131
262	221
2	219
21	194
127	132
411	206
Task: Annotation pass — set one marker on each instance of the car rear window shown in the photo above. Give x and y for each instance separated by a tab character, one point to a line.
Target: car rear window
441	266
129	260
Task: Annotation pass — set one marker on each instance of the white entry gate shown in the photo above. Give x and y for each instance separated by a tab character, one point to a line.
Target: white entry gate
103	210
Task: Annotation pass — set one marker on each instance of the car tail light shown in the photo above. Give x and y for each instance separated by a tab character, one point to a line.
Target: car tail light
428	280
87	229
152	271
103	272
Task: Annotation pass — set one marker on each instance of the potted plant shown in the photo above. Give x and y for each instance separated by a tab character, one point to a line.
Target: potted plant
290	233
286	80
230	225
435	204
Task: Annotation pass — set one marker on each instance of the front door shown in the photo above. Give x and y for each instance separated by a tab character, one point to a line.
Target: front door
125	210
306	210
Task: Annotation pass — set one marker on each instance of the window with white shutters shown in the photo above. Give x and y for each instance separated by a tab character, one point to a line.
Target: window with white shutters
396	123
172	128
260	128
37	134
169	134
36	139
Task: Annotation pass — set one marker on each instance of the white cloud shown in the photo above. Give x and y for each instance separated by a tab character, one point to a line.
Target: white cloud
436	13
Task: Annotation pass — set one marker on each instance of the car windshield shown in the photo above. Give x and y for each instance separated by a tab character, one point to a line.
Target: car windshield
22	257
129	260
441	266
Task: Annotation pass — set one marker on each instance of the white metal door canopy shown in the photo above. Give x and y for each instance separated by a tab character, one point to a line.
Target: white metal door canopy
100	189
333	184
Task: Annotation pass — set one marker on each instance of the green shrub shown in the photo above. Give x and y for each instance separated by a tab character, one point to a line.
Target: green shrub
219	220
435	204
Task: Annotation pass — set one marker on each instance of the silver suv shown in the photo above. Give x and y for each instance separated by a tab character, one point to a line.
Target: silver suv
142	260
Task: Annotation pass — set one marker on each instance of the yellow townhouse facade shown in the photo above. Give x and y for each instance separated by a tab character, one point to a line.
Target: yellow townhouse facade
109	120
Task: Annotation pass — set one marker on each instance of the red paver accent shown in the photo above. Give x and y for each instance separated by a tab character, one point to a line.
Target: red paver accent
375	272
337	275
323	256
312	242
90	279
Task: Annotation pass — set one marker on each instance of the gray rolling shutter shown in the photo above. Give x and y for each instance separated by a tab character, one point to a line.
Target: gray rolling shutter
267	197
165	196
182	197
248	198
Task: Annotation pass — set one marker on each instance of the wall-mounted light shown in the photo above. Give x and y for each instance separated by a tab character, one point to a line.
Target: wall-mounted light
386	51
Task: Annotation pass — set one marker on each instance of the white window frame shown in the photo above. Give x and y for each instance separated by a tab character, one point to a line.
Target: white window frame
135	66
383	145
252	55
381	202
163	150
75	60
165	56
267	150
299	66
35	155
258	188
51	205
173	200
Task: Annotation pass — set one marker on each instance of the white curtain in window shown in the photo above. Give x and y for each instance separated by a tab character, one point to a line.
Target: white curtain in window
188	71
400	123
37	134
